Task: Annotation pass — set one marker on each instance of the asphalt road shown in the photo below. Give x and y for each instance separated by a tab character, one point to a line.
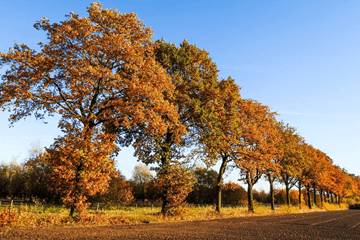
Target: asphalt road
321	225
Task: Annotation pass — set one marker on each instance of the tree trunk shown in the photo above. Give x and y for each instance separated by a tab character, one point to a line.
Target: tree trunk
332	199
250	197
219	182
165	162
321	196
308	195
328	196
271	193
315	203
77	180
300	193
72	209
287	192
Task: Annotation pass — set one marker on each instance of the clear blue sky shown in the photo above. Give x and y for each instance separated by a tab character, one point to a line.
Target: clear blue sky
301	58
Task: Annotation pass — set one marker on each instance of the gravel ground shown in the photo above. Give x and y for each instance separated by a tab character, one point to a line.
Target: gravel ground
322	225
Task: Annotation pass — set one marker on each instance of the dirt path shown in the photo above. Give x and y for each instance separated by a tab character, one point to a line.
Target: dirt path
321	225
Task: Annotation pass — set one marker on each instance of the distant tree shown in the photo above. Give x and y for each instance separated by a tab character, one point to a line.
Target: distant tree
233	193
5	178
119	191
140	181
281	197
261	197
204	190
17	177
36	170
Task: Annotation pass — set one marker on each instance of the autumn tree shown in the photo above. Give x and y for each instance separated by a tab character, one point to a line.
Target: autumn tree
324	179
195	78
338	183
320	169
81	167
97	72
221	137
305	175
233	193
119	191
272	171
291	159
259	145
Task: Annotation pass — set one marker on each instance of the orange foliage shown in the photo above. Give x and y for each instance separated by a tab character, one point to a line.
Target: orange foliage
81	166
195	78
174	184
99	73
260	139
7	216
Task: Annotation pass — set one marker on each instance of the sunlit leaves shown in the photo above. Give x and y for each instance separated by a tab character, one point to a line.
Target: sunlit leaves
97	72
81	166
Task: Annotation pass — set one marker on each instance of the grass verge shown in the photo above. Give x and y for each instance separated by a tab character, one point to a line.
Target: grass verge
30	216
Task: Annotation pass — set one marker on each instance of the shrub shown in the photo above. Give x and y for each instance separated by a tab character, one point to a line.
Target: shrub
7	216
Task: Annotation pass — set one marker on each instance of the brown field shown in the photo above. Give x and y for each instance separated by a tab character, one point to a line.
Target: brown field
342	224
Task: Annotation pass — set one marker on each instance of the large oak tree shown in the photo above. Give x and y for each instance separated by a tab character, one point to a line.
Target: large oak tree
94	71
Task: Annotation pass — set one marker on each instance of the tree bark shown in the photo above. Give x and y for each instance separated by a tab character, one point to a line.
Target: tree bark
321	196
300	194
165	162
308	195
332	199
250	197
287	191
271	193
72	210
315	201
219	182
328	196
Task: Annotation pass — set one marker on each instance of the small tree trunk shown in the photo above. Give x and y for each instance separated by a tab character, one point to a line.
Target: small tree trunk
328	196
219	182
287	193
271	193
315	202
308	195
165	161
300	194
332	199
250	197
72	209
321	196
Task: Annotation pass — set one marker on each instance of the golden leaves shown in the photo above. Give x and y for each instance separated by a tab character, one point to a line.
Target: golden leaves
81	165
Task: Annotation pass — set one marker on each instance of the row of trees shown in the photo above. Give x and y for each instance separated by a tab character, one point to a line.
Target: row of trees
28	181
115	87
